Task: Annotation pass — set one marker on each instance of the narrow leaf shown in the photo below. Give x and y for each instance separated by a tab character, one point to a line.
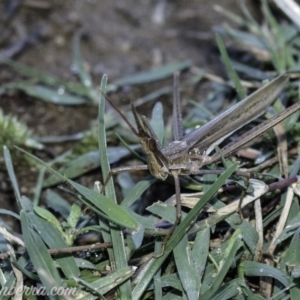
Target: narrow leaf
153	75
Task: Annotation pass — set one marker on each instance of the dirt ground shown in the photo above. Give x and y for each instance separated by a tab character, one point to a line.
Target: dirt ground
119	38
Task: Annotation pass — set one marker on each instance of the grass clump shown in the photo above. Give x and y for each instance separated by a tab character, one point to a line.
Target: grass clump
211	254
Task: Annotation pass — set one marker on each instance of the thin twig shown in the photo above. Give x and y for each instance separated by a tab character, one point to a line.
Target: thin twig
67	250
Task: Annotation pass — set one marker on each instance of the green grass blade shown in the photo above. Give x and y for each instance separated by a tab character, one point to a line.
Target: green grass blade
118	255
278	52
39	186
9	213
158	291
293	255
108	283
232	73
187	273
11	173
228	290
171	280
84	76
253	268
52	238
72	87
165	211
40	257
153	75
200	251
137	191
250	71
234	245
49	94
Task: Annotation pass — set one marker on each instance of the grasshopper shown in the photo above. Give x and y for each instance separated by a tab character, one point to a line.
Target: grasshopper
188	153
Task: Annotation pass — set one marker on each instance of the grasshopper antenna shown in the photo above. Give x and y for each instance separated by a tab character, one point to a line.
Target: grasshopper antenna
111	102
177	113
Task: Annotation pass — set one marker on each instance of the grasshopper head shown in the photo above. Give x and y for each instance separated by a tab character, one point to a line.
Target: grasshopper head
156	160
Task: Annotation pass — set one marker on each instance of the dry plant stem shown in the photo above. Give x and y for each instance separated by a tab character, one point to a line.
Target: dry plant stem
263	165
189	199
220	80
282	149
18	273
283	218
58	251
10	237
260	230
266	283
270	162
248	153
291	9
283	183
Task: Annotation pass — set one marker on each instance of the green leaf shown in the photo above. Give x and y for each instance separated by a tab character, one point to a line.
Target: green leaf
85	264
137	191
48	94
293	256
171	280
234	245
52	237
289	229
57	203
84	76
74	216
164	211
228	290
108	283
187	273
9	213
114	212
72	87
47	215
118	255
250	235
252	268
40	257
232	73
11	174
200	251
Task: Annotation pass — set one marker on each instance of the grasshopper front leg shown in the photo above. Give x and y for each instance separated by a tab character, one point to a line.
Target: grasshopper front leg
122	169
